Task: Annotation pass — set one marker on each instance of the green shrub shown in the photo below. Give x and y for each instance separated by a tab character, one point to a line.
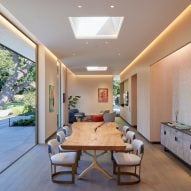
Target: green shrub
25	122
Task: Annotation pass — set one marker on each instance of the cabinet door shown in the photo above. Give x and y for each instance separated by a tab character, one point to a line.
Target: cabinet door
163	135
169	138
178	143
187	149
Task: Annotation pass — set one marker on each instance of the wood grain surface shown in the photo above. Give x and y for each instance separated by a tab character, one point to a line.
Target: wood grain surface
94	136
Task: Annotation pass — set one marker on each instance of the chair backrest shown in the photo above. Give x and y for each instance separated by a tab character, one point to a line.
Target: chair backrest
138	147
53	147
130	136
60	136
66	130
109	117
125	129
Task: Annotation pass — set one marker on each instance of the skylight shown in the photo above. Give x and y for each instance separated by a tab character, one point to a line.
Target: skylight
96	27
96	68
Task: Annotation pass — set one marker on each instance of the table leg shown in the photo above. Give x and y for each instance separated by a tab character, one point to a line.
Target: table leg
95	165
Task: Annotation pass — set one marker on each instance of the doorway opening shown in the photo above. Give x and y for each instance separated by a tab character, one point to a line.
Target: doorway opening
18	116
134	100
116	95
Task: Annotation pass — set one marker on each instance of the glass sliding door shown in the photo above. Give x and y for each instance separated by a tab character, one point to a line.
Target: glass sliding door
61	93
17	94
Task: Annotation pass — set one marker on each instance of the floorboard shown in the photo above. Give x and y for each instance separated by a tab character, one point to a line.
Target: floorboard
160	171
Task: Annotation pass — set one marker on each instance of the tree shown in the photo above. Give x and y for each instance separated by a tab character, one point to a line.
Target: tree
17	74
116	87
6	65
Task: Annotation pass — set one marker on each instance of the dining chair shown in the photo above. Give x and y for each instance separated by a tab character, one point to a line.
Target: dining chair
109	117
60	137
130	136
125	128
67	131
122	161
64	159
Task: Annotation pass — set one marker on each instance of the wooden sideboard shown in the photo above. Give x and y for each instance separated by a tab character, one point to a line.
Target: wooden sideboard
177	141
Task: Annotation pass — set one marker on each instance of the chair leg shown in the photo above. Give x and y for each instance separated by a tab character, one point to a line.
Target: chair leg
51	169
140	173
73	172
112	155
55	176
114	168
78	154
118	175
76	164
54	168
133	174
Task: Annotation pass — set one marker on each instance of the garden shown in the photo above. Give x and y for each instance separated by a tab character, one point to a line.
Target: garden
17	87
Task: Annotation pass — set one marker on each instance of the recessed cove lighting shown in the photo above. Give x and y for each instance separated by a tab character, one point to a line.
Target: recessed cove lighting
96	68
96	27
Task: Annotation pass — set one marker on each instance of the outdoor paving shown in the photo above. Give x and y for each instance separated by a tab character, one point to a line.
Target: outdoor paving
14	141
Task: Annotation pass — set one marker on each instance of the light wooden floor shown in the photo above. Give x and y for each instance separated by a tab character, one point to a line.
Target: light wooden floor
161	171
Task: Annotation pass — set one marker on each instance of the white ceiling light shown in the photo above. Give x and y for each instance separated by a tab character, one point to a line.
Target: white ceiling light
112	6
96	27
96	68
79	6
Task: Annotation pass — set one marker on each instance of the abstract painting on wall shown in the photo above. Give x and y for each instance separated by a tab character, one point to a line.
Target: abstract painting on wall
102	94
51	98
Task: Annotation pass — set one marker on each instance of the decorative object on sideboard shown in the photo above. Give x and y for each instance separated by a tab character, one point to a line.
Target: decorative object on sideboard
51	98
176	115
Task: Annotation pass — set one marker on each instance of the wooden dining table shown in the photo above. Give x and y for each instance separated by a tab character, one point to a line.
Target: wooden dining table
95	136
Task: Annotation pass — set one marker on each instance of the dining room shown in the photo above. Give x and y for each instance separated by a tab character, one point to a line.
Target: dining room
146	145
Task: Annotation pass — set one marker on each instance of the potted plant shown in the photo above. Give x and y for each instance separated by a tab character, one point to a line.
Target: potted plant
72	101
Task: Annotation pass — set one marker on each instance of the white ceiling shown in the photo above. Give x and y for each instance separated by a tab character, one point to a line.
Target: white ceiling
143	21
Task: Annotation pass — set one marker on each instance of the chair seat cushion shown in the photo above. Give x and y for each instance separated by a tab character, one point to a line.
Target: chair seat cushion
64	158
129	147
124	138
126	159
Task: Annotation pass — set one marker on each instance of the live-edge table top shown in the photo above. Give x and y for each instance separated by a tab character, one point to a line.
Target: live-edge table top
94	136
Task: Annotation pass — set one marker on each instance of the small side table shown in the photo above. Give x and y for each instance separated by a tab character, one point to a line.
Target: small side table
78	117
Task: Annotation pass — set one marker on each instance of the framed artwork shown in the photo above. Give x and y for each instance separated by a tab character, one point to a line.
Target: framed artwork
102	94
51	98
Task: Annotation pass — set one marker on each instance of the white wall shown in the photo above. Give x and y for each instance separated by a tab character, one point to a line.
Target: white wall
182	84
48	65
41	95
47	75
170	90
87	88
176	36
125	110
161	95
50	79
